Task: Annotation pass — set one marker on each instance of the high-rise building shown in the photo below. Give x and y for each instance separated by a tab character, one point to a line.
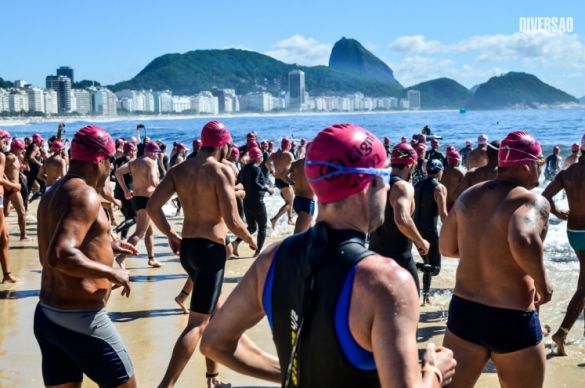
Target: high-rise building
51	102
67	72
20	84
62	85
256	102
296	89
228	101
18	101
163	101
4	106
413	97
103	101
36	100
82	100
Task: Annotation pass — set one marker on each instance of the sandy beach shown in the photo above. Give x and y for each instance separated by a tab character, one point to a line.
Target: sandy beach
150	321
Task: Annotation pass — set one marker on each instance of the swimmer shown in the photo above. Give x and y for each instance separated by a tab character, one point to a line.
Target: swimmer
305	201
360	328
496	229
478	157
11	196
5	184
145	178
55	166
452	176
76	251
571	181
205	187
573	158
279	164
481	174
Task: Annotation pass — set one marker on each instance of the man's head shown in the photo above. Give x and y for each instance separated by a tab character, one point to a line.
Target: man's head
434	144
4	138
255	155
57	147
129	148
520	155
234	154
37	139
151	149
403	157
17	146
215	135
468	143
196	145
94	146
345	160
556	150
421	150
146	140
264	145
575	148
119	143
251	136
181	149
435	168
285	144
482	140
453	158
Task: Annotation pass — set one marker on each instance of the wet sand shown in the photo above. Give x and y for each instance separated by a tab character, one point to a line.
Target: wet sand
150	321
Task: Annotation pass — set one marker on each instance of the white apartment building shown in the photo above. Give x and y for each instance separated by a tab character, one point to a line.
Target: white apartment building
104	102
80	101
51	101
205	103
256	102
181	104
4	106
36	100
413	97
18	101
404	103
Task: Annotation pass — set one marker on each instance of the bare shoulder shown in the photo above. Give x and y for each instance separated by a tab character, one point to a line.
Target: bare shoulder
382	277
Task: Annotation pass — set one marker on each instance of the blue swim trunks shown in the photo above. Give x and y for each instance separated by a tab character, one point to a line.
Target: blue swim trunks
576	239
74	342
302	204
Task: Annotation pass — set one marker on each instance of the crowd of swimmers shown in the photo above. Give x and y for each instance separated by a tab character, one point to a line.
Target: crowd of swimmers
341	294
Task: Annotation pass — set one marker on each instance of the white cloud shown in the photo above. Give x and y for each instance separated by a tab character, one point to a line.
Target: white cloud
301	50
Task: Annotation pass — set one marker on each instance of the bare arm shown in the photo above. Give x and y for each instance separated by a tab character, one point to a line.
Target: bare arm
4	181
42	175
401	198
223	339
440	196
63	167
228	206
160	196
448	244
526	232
550	191
463	185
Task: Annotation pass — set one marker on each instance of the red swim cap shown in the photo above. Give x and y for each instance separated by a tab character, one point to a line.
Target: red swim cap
215	134
4	134
37	138
151	147
574	147
346	145
57	146
403	154
453	156
421	149
92	144
17	145
251	136
129	146
235	152
196	145
285	144
517	149
254	153
180	147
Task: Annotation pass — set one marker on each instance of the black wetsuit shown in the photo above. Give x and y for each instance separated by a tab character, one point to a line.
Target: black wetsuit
433	154
192	155
464	154
310	281
256	187
127	208
419	172
389	241
426	217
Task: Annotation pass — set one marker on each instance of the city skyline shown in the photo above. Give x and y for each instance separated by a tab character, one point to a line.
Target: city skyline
465	41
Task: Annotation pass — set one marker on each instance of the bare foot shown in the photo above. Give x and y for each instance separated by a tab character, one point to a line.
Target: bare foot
8	278
559	340
235	245
180	299
25	238
214	382
291	222
120	260
546	330
273	223
154	262
427	300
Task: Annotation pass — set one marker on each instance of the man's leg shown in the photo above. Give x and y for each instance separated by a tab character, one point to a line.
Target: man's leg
262	221
142	224
471	359
289	197
18	203
149	243
576	306
304	222
521	368
4	252
184	294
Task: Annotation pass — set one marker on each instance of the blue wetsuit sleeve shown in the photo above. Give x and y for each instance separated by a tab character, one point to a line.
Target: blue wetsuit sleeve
267	292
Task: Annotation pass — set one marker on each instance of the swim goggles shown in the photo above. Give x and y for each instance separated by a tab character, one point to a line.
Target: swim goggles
540	160
384	173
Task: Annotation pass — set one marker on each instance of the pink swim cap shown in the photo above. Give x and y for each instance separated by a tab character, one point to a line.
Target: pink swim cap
517	149
453	156
251	136
346	145
482	139
57	146
4	134
92	144
17	145
450	149
181	147
403	154
254	153
575	148
151	147
285	144
468	143
129	146
215	134
37	138
235	152
196	145
421	149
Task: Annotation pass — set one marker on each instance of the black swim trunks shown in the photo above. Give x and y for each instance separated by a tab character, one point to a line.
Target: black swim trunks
499	330
77	342
280	184
204	261
302	204
139	202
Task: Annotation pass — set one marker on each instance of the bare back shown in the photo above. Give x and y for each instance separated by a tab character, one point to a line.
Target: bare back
145	176
12	168
301	185
54	168
488	272
282	161
64	210
477	158
452	176
572	181
199	183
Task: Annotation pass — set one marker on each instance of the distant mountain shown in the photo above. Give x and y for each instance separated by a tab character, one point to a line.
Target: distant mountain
5	84
582	100
474	88
442	93
246	71
349	55
517	90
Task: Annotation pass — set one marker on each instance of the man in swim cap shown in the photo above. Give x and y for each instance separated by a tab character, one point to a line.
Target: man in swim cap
496	229
483	173
76	251
145	178
573	158
55	166
465	152
304	203
279	165
395	236
452	176
5	185
430	198
435	154
553	164
127	208
332	305
478	157
12	173
196	148
571	180
205	187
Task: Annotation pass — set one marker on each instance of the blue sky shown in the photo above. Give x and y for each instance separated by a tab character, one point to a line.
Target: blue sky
469	41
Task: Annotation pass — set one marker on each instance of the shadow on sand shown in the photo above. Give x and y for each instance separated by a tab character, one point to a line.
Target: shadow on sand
128	316
157	278
18	294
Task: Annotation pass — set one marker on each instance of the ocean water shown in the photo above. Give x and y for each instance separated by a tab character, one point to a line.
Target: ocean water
550	127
